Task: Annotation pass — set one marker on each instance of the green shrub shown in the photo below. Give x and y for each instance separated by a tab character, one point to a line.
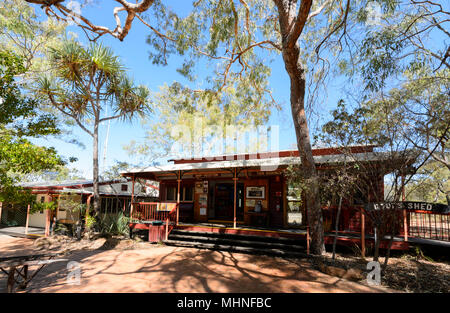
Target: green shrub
41	207
114	224
90	222
62	229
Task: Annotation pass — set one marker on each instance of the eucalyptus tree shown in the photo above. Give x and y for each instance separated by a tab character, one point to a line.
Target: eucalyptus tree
310	36
229	33
432	184
83	83
25	33
401	67
403	64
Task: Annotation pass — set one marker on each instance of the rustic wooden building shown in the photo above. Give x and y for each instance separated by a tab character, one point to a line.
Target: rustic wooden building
245	191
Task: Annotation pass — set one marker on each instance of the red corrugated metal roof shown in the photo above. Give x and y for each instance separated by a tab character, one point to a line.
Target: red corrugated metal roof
281	154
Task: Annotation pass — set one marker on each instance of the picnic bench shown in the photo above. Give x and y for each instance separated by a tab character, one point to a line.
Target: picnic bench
17	268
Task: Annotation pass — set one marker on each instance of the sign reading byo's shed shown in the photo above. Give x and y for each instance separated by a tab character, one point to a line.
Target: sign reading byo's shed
409	205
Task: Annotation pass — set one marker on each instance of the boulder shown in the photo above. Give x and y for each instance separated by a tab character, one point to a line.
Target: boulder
42	242
97	244
354	274
351	274
335	271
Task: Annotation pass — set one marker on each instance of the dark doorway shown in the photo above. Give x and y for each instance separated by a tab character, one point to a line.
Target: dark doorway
223	204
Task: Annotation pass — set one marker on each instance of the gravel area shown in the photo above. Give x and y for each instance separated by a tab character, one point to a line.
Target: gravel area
115	265
406	273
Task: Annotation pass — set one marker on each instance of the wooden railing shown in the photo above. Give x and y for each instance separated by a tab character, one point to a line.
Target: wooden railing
171	221
415	223
156	211
151	211
428	225
349	220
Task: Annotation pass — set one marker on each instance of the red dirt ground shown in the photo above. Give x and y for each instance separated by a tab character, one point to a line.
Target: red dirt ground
170	269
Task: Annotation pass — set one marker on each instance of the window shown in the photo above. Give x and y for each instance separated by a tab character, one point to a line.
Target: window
124	187
171	192
103	204
188	194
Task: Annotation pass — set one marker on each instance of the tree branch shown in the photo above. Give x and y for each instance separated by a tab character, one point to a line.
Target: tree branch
300	21
119	32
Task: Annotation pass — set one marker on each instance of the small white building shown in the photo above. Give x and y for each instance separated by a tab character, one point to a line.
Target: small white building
115	196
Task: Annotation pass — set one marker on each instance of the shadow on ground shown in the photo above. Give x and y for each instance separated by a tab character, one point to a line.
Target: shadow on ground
170	269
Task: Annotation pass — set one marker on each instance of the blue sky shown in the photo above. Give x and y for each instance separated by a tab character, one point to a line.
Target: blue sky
134	55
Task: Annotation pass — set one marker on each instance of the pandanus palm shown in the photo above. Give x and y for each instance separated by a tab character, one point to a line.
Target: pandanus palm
85	82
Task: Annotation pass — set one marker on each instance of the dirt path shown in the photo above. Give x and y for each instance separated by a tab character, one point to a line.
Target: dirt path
170	269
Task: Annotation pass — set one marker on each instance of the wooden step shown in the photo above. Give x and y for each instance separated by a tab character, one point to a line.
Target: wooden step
233	241
235	248
291	241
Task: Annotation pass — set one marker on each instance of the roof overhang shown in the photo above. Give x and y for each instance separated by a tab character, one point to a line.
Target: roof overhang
263	165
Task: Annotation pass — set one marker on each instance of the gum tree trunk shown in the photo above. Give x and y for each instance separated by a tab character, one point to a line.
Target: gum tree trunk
291	26
298	85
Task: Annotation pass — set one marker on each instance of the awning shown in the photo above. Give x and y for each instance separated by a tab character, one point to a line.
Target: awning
266	164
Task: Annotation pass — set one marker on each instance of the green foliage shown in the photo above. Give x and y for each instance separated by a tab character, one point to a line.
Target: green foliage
71	203
58	173
191	121
340	182
413	116
114	224
11	193
19	155
22	39
234	88
20	118
405	35
43	206
432	184
19	113
85	80
27	34
353	128
90	222
113	173
62	229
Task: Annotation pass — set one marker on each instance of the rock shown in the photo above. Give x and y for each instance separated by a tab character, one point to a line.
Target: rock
125	244
97	244
54	246
322	267
332	270
95	236
90	235
59	238
66	251
336	271
42	242
354	274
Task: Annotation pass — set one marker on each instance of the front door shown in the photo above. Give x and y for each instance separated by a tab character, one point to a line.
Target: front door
224	201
